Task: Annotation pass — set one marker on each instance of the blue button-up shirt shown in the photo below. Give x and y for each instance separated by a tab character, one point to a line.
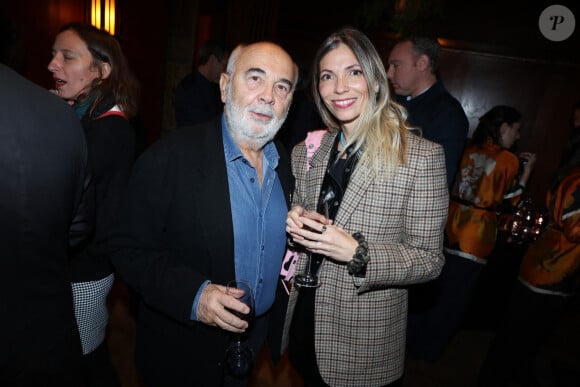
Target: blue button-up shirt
258	216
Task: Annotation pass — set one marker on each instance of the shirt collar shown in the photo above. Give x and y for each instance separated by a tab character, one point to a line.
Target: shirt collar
232	152
409	97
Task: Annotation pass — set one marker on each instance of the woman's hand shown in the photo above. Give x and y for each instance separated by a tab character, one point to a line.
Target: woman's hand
317	234
297	215
528	167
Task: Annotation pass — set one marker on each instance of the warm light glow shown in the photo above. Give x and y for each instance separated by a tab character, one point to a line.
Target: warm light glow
400	6
103	14
106	26
93	12
112	18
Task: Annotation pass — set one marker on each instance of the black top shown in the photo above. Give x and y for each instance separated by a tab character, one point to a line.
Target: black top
197	100
301	348
111	146
442	120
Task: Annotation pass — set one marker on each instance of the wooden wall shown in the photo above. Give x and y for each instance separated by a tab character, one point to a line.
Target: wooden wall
159	39
142	33
544	92
33	25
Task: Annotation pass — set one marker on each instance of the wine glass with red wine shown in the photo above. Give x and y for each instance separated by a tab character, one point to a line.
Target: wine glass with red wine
239	355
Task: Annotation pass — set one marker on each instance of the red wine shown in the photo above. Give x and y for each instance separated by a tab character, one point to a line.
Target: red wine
246	317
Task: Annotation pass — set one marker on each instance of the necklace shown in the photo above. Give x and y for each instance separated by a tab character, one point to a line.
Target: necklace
342	140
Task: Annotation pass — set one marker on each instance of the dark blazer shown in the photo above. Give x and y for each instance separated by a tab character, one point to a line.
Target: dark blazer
111	146
175	234
43	159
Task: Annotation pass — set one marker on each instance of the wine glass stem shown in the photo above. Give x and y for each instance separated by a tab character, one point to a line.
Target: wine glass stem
309	263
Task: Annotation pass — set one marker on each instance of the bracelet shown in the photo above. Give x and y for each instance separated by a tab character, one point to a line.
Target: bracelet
358	264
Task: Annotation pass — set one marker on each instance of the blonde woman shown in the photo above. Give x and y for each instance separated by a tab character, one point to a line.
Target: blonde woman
383	192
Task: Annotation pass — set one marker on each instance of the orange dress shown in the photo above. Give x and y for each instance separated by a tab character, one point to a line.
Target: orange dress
552	264
487	176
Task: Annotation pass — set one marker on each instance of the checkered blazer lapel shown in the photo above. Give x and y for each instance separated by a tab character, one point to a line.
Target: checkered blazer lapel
315	175
360	181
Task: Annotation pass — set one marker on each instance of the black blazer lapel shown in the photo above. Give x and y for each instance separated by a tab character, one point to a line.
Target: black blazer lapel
214	201
285	173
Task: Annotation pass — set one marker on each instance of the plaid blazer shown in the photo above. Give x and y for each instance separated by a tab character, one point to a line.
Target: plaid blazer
360	330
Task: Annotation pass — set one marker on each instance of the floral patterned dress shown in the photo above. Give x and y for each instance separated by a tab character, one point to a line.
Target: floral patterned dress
551	264
487	176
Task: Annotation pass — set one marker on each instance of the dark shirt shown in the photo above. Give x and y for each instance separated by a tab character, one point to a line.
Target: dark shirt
442	120
197	100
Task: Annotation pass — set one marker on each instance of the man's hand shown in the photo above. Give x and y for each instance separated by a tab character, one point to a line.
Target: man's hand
213	308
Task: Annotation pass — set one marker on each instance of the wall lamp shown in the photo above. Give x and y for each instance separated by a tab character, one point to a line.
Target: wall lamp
103	15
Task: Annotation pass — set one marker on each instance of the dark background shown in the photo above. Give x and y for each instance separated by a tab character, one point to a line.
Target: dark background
493	50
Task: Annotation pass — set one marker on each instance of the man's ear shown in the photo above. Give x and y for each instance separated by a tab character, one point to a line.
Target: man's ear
212	60
423	62
105	70
224	79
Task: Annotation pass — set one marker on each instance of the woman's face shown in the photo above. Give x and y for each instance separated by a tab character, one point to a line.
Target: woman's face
342	85
71	66
509	134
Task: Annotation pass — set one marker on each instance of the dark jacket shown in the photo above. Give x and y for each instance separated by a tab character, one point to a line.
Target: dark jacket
43	164
111	146
442	120
176	233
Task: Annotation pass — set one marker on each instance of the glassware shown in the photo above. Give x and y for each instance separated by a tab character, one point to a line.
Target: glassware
239	356
309	279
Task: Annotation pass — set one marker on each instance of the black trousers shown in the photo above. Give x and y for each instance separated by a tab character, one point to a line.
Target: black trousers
98	370
437	308
301	342
512	353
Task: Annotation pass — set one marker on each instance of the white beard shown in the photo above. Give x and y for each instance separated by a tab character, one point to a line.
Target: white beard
244	129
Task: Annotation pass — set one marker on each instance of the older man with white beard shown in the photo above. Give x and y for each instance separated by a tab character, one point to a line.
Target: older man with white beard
207	205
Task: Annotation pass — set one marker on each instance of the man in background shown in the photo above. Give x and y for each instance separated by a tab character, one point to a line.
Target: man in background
197	97
413	64
45	208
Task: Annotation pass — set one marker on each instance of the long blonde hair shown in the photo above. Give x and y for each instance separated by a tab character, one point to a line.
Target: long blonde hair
381	130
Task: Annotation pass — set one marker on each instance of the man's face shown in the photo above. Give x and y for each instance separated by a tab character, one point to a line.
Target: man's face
258	94
217	68
403	71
